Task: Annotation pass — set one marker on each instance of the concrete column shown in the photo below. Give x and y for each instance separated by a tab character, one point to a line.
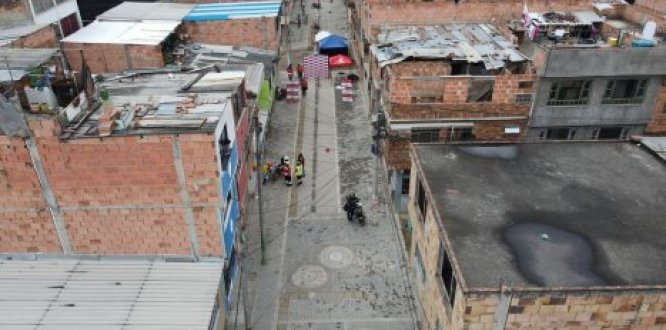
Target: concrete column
502	311
49	197
188	213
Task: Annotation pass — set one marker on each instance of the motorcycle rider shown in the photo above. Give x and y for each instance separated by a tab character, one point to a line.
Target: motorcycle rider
350	205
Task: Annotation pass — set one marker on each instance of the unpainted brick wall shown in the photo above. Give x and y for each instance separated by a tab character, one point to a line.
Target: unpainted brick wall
26	224
655	5
111	58
45	37
616	309
118	195
377	13
641	15
254	32
657	124
14	12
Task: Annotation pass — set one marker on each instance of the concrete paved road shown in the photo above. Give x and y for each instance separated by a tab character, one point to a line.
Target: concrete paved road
322	271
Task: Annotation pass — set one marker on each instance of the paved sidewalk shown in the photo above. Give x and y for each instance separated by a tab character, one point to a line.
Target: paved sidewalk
322	271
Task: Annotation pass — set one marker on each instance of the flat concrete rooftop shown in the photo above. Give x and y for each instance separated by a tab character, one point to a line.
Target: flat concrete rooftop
551	215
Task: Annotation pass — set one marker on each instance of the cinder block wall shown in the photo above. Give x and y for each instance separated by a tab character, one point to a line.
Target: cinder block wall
118	195
43	38
255	32
103	58
558	309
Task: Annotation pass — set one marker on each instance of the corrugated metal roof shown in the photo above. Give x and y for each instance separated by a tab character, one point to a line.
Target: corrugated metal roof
140	295
656	144
469	42
147	11
236	10
123	32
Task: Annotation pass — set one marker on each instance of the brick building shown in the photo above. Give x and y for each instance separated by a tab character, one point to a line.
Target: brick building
587	89
537	236
455	82
368	17
37	23
159	170
253	24
116	46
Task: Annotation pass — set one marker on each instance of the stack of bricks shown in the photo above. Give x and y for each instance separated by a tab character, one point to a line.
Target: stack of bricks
107	121
252	32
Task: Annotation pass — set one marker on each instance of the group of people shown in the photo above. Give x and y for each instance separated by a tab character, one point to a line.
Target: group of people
299	72
284	169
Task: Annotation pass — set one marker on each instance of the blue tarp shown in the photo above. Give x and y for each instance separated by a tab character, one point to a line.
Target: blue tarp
333	45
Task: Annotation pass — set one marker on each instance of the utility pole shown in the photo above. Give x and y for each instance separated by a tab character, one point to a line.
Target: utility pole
260	181
244	284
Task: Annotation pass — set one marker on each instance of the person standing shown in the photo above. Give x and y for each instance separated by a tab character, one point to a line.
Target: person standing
301	160
304	86
298	171
290	71
299	71
285	170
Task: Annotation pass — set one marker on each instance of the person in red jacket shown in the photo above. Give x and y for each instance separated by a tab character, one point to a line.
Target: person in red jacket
304	86
290	71
285	170
299	71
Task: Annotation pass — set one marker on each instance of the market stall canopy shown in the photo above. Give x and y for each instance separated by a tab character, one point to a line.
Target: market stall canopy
333	45
339	61
322	35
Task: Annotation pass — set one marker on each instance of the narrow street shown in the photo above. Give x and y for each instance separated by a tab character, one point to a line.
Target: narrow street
321	271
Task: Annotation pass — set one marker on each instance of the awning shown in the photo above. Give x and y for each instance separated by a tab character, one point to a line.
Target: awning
339	61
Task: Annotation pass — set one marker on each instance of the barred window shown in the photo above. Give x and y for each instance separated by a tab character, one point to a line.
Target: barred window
625	91
425	135
569	92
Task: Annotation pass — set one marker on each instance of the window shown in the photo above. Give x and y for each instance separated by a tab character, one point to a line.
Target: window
421	200
525	84
611	133
420	271
41	6
569	92
557	134
446	272
225	148
480	90
405	183
425	135
523	98
460	134
625	91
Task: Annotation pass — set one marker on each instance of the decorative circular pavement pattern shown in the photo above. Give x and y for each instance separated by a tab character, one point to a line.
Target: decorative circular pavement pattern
309	276
336	257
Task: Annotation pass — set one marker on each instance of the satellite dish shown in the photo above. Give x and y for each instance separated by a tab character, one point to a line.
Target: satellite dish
648	30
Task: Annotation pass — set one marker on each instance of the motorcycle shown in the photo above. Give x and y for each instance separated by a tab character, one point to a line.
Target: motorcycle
272	174
354	209
281	93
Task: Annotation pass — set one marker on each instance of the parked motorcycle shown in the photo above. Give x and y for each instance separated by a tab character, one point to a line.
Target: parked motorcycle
354	209
281	93
272	174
